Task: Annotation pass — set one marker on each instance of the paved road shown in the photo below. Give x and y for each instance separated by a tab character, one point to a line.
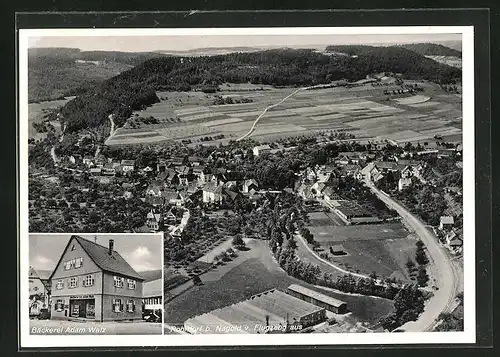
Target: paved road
441	270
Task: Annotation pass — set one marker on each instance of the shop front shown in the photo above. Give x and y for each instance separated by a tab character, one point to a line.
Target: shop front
82	306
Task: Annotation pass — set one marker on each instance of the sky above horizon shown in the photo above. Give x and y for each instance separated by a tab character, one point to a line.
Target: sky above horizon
141	252
185	43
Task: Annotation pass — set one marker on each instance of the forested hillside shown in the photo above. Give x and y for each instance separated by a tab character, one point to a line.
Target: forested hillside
136	87
53	72
432	49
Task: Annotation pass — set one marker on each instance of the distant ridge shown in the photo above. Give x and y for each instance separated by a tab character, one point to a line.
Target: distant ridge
432	49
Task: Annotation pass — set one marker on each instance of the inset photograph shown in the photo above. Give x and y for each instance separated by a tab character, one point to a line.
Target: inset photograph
95	284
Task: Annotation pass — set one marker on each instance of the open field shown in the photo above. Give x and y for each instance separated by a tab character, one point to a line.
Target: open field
363	110
258	273
383	248
36	113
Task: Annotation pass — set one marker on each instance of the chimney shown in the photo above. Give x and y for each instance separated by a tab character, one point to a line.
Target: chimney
111	245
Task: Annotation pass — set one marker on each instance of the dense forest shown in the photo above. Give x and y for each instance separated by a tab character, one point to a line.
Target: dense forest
135	88
432	49
54	74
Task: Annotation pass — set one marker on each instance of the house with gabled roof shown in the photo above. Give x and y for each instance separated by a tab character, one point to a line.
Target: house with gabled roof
446	222
250	184
127	166
92	282
261	149
212	193
39	290
154	220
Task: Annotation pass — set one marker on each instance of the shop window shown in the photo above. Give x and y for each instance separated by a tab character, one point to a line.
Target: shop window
118	282
131	284
59	285
88	280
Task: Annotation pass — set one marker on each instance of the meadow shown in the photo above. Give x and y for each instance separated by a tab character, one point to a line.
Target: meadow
248	277
381	248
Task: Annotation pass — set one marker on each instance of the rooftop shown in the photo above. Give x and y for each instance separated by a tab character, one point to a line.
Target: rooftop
274	305
318	296
447	220
113	263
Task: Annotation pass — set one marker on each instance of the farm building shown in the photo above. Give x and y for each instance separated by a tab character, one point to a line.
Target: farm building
272	310
337	249
318	299
261	149
352	213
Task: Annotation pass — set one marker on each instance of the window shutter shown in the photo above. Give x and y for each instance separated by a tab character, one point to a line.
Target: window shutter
121	306
133	305
113	305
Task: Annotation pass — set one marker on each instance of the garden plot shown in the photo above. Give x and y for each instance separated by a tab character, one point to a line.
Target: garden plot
200	116
416	99
264	129
253	113
405	135
329	117
186	131
131	140
235	127
425	105
191	111
221	121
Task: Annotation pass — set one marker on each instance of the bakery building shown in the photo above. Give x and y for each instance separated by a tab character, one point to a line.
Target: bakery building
94	282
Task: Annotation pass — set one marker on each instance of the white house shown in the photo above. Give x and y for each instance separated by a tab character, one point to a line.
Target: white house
249	184
403	183
127	165
212	193
261	149
446	222
153	220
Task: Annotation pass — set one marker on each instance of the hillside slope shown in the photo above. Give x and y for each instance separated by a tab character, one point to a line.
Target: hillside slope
432	49
56	72
136	88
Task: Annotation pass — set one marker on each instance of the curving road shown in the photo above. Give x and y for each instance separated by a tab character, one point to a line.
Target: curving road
441	269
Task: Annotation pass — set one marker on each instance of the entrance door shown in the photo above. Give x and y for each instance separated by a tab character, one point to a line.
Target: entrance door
90	309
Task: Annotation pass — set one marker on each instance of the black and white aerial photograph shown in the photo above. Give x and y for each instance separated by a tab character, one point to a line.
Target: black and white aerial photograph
304	184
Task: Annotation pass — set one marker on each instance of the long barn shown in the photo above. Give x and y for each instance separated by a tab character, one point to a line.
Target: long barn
318	299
